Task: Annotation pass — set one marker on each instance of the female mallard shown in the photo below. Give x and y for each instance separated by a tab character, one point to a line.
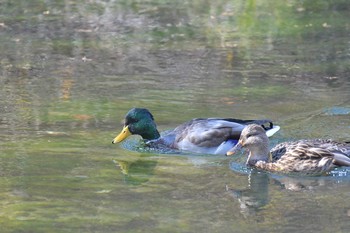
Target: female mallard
312	157
201	135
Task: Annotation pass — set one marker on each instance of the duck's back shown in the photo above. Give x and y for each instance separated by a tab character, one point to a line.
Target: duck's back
211	135
327	144
208	132
313	157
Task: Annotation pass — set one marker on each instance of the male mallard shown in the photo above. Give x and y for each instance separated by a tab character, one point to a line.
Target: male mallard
313	157
201	135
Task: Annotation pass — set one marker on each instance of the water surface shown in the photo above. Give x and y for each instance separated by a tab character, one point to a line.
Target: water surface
71	70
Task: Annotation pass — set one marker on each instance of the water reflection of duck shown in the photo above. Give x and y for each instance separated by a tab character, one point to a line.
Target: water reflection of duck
201	135
299	183
311	157
255	196
136	172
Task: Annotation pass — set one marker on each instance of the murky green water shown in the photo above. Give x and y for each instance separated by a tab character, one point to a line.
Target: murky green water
70	70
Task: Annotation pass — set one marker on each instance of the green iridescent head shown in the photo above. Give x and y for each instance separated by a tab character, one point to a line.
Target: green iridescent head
138	121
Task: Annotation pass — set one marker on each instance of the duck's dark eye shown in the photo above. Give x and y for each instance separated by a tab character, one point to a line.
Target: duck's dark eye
130	121
133	120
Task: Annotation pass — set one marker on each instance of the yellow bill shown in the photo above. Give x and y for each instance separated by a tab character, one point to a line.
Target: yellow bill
122	135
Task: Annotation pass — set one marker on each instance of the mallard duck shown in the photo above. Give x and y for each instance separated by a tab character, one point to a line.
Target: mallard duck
200	135
312	157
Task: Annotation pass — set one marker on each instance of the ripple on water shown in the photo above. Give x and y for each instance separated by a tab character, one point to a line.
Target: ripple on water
196	159
332	111
137	145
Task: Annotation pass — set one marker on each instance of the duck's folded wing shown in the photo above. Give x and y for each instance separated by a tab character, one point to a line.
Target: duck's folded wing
207	132
213	131
341	159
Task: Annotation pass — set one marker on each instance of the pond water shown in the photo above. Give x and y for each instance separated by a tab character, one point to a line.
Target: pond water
70	70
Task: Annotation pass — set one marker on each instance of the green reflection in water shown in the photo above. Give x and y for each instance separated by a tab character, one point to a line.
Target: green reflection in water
136	172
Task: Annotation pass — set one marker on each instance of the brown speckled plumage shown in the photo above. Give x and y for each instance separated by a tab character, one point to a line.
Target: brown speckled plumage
311	157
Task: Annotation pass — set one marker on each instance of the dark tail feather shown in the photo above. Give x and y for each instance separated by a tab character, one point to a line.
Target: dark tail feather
265	123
